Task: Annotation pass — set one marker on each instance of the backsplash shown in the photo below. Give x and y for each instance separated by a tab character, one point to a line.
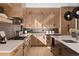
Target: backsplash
10	29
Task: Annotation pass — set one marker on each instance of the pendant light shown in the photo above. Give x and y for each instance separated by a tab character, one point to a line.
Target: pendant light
76	15
76	12
68	16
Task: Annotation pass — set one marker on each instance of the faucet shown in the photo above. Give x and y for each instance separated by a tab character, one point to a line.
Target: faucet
77	36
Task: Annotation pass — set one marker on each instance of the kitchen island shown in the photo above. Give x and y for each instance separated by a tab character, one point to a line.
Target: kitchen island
15	47
65	45
11	47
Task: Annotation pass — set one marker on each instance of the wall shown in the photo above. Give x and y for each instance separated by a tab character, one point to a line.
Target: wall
41	17
16	9
64	23
10	30
48	17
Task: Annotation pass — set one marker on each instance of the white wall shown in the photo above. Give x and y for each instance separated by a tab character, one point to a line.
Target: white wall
49	5
10	30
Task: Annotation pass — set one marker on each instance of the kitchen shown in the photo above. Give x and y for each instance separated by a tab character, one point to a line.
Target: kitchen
39	29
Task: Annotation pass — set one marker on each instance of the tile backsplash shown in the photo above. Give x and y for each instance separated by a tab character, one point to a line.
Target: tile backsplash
10	29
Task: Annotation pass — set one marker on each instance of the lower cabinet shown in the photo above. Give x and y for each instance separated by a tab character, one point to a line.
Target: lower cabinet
21	50
61	50
65	51
55	51
27	46
49	40
18	51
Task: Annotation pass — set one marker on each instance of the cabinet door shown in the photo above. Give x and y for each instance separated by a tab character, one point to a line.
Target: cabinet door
49	40
62	50
25	51
65	51
18	51
68	52
55	50
27	47
34	41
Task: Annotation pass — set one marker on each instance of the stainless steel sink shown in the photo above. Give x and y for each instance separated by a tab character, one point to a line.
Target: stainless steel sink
69	41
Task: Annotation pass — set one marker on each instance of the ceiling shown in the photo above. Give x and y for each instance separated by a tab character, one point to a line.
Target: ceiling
49	5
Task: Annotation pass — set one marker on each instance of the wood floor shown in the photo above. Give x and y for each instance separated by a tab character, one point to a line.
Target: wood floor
40	51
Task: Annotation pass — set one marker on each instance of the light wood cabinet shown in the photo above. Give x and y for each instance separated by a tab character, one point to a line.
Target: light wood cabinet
18	51
34	41
62	50
55	49
27	45
38	40
65	51
49	40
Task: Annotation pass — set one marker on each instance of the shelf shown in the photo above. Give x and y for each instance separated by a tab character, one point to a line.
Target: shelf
5	20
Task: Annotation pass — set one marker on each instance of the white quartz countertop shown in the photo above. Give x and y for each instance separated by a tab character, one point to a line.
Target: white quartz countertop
73	46
10	46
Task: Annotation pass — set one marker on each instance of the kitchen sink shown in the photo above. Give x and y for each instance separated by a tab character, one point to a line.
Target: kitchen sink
69	41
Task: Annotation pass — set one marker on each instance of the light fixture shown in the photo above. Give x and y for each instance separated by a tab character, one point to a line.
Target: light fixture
76	12
68	16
